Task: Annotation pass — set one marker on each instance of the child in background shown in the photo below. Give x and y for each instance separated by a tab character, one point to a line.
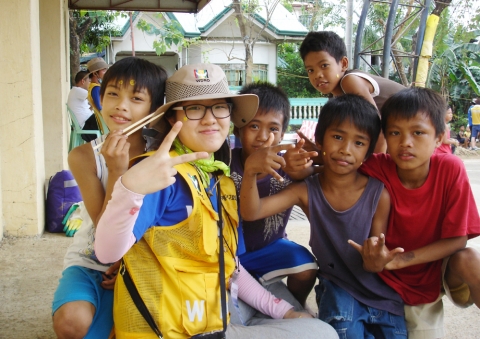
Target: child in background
265	238
325	58
428	219
83	302
340	204
447	142
163	219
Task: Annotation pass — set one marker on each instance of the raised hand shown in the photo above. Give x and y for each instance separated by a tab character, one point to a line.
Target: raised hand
297	159
309	145
157	171
115	150
376	256
266	159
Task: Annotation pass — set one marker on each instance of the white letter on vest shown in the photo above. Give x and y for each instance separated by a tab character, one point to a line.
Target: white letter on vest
196	310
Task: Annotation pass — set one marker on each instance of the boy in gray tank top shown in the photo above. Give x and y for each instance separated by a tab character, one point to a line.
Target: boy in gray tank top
341	204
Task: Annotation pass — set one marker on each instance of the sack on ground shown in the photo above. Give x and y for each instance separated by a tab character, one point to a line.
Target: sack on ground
62	193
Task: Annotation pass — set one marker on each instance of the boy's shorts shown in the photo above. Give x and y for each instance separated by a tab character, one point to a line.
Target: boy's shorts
426	320
278	260
83	284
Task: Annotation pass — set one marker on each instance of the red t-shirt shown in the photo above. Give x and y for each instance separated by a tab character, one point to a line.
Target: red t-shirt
443	207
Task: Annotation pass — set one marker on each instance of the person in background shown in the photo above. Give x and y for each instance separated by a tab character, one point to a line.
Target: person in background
448	144
79	105
474	115
97	68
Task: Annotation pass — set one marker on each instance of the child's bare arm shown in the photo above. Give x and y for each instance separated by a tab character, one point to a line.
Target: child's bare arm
254	208
353	84
380	219
81	161
435	251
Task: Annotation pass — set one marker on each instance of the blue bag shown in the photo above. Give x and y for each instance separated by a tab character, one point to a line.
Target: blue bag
62	193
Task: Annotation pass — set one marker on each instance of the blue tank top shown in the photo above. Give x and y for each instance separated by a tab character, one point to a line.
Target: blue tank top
337	260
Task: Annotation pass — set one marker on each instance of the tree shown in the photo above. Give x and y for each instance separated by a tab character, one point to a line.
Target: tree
89	31
292	77
245	12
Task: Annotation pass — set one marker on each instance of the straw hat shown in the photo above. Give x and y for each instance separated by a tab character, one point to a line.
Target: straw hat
96	64
202	82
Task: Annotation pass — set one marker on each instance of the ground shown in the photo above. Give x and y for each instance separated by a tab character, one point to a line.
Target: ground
31	267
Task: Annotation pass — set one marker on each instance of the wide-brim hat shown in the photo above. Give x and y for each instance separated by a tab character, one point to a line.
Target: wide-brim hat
203	82
96	64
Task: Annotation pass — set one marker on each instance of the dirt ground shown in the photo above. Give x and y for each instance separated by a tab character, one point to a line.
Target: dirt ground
30	269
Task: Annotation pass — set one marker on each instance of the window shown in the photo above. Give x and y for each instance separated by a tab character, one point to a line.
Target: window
236	73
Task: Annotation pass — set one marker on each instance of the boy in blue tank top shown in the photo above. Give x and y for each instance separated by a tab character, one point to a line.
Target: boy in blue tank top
341	204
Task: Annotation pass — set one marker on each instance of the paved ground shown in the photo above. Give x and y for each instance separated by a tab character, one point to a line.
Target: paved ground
31	267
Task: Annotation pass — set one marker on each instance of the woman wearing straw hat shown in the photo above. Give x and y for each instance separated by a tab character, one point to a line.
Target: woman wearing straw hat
179	253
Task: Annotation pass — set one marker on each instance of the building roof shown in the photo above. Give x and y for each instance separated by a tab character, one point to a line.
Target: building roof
282	23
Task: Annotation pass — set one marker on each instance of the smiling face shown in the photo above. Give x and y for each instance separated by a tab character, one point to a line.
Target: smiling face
205	135
258	130
345	148
324	72
411	143
121	106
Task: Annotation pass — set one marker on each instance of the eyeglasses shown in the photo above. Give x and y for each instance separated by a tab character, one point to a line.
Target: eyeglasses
197	112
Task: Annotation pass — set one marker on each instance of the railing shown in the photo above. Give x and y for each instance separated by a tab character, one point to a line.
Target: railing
305	109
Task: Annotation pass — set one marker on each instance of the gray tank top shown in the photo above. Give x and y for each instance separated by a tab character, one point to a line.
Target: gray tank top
338	261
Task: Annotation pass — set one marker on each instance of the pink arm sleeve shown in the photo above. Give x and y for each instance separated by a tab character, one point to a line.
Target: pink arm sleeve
114	235
255	295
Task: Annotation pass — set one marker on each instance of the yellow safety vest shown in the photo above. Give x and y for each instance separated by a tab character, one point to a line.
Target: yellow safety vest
176	271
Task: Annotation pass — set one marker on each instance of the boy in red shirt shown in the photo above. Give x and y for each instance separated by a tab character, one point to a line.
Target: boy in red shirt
427	220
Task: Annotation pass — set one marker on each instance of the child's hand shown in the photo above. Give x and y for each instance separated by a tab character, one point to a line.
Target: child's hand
110	276
376	256
266	159
292	314
115	150
297	159
157	171
309	145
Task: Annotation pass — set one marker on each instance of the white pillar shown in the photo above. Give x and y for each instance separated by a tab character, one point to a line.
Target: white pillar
21	127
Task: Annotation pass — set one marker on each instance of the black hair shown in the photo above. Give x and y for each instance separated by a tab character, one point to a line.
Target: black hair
80	76
327	41
270	98
409	102
350	107
145	74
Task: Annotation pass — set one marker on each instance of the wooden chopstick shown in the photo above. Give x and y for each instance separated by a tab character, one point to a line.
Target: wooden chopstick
136	126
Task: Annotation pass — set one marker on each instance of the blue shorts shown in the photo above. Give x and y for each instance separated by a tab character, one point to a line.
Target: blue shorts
278	260
475	130
83	284
353	319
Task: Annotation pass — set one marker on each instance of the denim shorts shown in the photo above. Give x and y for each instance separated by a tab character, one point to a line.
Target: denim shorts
83	284
353	319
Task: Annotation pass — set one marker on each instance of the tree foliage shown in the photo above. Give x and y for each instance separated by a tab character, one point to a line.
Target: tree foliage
90	31
169	35
291	75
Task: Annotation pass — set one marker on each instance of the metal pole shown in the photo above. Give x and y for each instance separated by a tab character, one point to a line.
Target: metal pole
420	36
387	43
131	34
358	39
349	29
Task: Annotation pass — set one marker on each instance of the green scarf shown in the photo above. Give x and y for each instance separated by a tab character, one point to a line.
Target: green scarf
203	166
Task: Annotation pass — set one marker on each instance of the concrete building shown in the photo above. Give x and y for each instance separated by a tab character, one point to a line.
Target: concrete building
34	58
